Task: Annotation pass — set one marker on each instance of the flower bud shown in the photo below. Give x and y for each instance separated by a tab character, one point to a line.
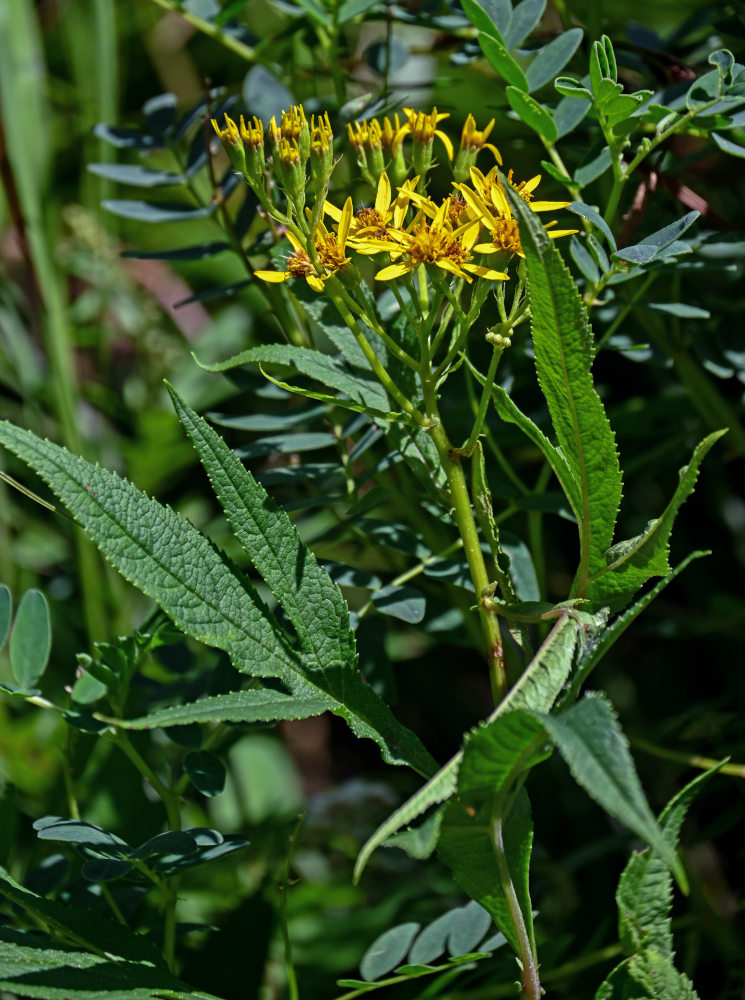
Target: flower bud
321	152
471	142
252	135
291	172
230	137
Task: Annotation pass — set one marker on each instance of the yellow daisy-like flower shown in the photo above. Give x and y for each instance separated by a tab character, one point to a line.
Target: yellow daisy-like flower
330	249
489	188
435	242
387	211
502	227
423	128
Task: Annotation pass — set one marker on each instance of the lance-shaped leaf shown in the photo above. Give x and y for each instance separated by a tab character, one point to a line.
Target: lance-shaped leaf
166	558
261	705
36	966
311	600
537	689
563	352
324	369
590	740
631	563
645	891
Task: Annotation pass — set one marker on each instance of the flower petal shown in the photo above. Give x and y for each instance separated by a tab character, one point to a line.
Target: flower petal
273	276
393	271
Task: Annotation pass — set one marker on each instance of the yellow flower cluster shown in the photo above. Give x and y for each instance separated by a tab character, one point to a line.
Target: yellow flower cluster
404	224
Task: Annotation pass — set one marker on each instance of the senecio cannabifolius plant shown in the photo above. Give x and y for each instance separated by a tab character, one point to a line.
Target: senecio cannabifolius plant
445	260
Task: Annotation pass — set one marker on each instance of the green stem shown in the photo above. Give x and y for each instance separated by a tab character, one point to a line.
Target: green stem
169	798
209	29
484	401
335	293
690	760
391	344
464	519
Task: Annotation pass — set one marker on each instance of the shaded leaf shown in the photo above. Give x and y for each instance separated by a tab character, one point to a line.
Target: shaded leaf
470	926
6	612
387	951
498	55
30	638
525	18
552	58
132	173
206	772
404	603
532	113
145	211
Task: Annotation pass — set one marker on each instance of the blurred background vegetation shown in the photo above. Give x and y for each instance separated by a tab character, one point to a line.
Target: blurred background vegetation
87	334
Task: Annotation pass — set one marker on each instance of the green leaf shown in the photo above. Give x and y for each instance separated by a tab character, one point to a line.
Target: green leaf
6	612
498	55
597	649
35	966
31	639
563	353
199	252
653	245
387	951
80	833
311	600
568	87
552	59
631	563
89	928
586	212
480	18
727	146
405	603
132	173
645	889
525	18
468	929
171	562
206	772
467	847
590	740
320	367
261	705
354	8
537	689
145	211
532	113
647	974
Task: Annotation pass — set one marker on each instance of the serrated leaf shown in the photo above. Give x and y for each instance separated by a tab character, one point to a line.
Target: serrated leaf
525	18
631	563
171	562
537	689
35	966
590	740
644	895
146	211
563	352
532	113
467	848
320	367
597	649
499	57
387	951
552	58
132	173
6	613
262	705
311	600
30	639
89	928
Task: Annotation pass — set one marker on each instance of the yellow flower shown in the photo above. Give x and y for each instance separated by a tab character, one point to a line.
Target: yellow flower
501	225
252	133
391	134
423	128
490	189
472	140
435	242
374	222
330	249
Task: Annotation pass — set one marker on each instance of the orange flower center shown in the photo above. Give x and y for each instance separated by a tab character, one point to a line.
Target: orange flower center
330	253
427	246
506	235
457	205
298	264
372	222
